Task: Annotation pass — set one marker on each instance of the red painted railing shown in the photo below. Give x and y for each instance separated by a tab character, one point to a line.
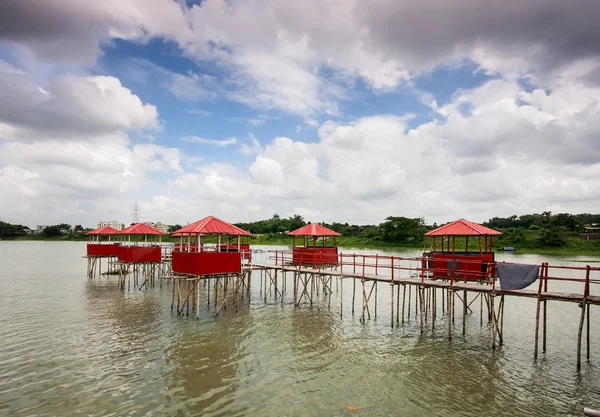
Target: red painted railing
399	267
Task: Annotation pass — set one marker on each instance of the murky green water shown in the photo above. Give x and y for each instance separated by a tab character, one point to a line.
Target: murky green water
74	346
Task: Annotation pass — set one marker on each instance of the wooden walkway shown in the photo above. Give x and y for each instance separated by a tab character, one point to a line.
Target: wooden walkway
438	283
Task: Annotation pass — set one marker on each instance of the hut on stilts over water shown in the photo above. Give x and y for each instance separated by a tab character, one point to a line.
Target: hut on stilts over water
101	246
315	248
446	260
449	262
193	260
140	254
315	245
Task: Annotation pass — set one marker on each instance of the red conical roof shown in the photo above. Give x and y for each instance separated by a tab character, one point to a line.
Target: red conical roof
212	225
462	227
140	229
313	229
104	230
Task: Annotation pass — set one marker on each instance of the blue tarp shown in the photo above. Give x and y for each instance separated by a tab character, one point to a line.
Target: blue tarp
516	276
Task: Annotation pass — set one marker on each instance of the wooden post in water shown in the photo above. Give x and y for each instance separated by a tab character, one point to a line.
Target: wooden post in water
464	318
583	307
403	300
494	324
392	289
449	310
544	321
409	291
198	297
353	293
587	352
422	306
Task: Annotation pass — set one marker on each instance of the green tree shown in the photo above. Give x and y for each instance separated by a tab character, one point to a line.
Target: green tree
402	229
173	227
8	230
52	231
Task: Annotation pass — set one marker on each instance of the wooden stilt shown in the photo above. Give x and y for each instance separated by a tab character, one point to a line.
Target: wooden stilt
449	315
392	306
353	293
409	292
494	324
198	297
583	307
403	300
397	303
587	339
464	318
422	306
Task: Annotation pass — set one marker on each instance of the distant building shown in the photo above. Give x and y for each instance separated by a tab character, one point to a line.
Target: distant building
592	231
161	226
111	223
39	229
158	226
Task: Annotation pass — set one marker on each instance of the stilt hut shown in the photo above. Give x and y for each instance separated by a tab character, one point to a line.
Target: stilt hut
192	256
100	243
141	244
446	260
314	245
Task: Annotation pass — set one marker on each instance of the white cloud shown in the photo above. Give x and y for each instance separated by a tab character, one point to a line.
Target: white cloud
252	147
496	149
64	150
496	159
200	112
69	106
215	142
278	52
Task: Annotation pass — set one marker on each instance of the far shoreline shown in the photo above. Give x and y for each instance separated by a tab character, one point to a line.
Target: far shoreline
348	243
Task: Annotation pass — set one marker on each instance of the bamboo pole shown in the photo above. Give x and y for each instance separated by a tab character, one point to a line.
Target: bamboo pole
422	306
449	315
464	318
404	299
392	306
579	333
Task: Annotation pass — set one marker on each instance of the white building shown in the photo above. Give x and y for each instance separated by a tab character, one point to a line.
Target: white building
39	229
112	223
158	226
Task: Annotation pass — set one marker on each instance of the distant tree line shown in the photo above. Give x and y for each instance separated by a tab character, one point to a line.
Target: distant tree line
8	230
529	230
542	229
395	229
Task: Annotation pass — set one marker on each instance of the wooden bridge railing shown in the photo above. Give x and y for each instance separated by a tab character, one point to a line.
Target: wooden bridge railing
400	267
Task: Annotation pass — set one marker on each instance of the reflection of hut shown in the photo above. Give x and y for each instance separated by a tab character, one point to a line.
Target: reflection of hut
320	250
197	258
101	246
446	261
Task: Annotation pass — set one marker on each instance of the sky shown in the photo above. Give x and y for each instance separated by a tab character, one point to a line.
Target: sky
337	110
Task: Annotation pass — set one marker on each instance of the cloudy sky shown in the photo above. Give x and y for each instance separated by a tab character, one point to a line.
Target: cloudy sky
338	110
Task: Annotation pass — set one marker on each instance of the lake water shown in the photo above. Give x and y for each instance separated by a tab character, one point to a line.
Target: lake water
71	346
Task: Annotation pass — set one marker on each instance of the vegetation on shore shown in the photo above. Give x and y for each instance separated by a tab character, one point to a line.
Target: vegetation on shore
536	233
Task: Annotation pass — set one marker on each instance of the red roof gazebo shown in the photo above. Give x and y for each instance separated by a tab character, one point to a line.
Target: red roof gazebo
196	258
99	247
138	251
315	254
446	260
